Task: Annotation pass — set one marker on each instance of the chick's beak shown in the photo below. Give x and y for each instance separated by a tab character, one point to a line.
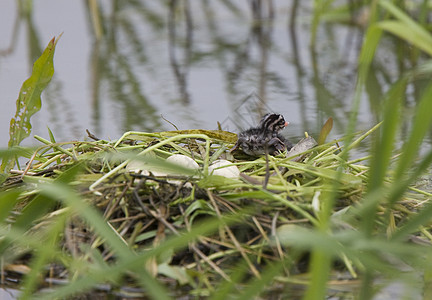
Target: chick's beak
286	123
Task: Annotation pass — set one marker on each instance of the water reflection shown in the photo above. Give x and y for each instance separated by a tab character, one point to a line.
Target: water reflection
180	68
24	17
112	70
236	58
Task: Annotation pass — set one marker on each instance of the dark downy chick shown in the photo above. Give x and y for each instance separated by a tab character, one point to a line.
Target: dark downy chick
255	141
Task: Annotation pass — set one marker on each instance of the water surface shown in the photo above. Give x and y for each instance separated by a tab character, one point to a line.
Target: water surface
195	65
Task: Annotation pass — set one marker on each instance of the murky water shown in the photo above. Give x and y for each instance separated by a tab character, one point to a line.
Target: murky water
194	64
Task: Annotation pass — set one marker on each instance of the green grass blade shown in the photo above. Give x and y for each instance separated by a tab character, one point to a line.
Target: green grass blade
320	268
382	151
422	218
46	251
51	135
406	28
65	194
320	7
384	143
8	199
258	285
227	288
371	41
136	263
421	126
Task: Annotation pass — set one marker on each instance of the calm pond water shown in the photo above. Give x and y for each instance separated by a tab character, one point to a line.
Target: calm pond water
194	64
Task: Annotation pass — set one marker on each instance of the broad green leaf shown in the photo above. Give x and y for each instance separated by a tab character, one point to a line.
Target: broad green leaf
29	99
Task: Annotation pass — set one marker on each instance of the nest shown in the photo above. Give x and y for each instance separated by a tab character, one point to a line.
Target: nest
273	196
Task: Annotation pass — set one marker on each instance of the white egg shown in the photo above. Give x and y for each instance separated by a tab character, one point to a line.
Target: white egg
178	159
217	168
184	161
138	166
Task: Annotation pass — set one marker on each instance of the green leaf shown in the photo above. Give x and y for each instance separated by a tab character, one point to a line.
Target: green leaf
29	99
325	130
51	135
52	139
217	181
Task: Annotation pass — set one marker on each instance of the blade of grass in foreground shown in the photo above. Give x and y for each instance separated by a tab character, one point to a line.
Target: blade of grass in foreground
406	28
420	127
61	191
321	261
29	99
381	153
46	250
129	261
135	263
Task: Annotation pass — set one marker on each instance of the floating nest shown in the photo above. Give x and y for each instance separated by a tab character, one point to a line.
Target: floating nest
147	199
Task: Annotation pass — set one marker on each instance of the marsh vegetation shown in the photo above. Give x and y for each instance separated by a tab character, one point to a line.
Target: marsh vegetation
79	218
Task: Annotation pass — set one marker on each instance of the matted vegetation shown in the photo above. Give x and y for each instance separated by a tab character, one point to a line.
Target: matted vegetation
101	222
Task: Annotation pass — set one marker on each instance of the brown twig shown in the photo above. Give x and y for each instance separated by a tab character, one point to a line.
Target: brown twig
91	135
